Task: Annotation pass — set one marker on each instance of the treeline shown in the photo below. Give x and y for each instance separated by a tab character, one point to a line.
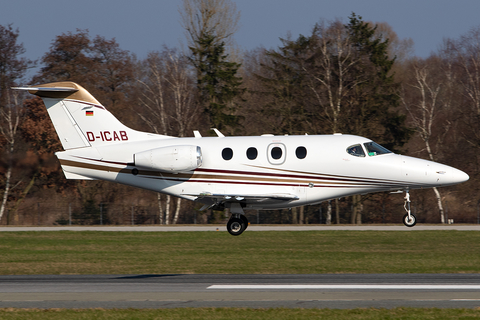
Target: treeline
351	77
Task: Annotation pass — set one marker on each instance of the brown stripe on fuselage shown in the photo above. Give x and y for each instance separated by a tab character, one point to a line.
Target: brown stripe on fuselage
142	172
237	178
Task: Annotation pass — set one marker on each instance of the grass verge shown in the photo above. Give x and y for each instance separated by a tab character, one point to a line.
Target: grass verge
240	313
282	252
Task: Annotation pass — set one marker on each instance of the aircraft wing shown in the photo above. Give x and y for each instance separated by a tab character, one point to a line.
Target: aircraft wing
218	198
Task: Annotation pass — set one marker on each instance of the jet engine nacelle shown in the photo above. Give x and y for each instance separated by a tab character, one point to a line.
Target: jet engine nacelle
170	159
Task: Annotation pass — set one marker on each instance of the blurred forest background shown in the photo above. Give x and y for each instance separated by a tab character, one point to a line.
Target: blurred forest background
351	77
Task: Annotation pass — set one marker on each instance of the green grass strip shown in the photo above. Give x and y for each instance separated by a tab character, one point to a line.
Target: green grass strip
239	313
282	252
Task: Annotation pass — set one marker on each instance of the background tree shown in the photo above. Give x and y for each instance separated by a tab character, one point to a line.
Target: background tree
330	74
399	49
424	101
282	84
166	92
375	103
106	71
217	18
114	71
338	79
99	65
461	66
466	52
68	59
12	70
217	83
38	132
209	26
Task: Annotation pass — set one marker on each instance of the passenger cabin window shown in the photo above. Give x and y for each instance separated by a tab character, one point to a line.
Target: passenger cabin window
356	150
301	152
227	154
276	153
252	153
374	149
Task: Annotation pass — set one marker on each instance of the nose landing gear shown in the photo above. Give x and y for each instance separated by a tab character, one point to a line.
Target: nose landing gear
409	219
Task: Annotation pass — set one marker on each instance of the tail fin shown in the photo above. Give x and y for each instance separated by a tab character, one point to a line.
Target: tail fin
79	119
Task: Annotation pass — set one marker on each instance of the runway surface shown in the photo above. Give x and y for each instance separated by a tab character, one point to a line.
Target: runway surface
255	291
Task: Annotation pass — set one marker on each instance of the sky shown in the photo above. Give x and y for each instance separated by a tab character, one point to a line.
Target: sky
142	26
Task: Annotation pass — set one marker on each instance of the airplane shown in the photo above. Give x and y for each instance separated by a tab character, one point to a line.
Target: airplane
239	172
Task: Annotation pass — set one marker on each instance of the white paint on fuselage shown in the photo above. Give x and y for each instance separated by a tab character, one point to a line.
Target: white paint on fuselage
328	171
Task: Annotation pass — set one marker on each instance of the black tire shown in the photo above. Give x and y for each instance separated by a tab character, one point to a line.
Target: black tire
235	226
245	221
409	222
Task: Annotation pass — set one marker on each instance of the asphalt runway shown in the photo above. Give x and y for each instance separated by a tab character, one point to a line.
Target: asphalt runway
255	291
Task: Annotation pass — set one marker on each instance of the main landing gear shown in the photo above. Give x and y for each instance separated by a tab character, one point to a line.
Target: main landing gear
409	219
238	222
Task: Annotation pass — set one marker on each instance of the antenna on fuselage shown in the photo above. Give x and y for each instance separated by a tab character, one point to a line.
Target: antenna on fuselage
219	134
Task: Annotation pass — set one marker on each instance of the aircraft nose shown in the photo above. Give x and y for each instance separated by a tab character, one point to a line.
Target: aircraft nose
448	175
431	174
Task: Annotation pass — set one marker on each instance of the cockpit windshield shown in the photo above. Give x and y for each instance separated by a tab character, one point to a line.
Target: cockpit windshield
374	149
356	150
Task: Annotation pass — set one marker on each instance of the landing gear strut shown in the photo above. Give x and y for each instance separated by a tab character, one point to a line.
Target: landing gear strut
238	222
409	219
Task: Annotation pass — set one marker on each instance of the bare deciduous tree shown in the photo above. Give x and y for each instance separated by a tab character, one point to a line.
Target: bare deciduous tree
10	115
469	57
399	49
328	72
466	54
424	107
166	91
12	69
218	18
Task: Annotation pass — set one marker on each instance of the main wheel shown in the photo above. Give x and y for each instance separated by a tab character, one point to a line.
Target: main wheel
409	222
245	221
235	226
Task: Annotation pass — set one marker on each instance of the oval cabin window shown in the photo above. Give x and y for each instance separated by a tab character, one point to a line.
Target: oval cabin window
301	152
276	153
252	153
227	154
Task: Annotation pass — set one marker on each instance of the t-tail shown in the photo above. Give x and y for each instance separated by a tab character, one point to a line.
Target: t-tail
79	119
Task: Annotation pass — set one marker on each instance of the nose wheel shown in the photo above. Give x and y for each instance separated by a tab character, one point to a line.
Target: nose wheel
409	219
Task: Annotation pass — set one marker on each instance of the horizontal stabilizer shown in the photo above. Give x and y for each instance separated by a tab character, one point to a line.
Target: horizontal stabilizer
34	90
61	90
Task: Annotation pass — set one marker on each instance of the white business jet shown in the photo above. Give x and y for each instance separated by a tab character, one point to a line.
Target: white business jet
262	172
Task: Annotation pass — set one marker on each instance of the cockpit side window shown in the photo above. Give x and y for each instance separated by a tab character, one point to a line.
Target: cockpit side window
356	150
374	149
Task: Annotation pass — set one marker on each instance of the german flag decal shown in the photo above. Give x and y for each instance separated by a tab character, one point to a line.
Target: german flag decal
89	113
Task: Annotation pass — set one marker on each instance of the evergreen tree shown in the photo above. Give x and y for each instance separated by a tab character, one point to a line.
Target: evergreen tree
217	82
338	79
283	79
373	106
